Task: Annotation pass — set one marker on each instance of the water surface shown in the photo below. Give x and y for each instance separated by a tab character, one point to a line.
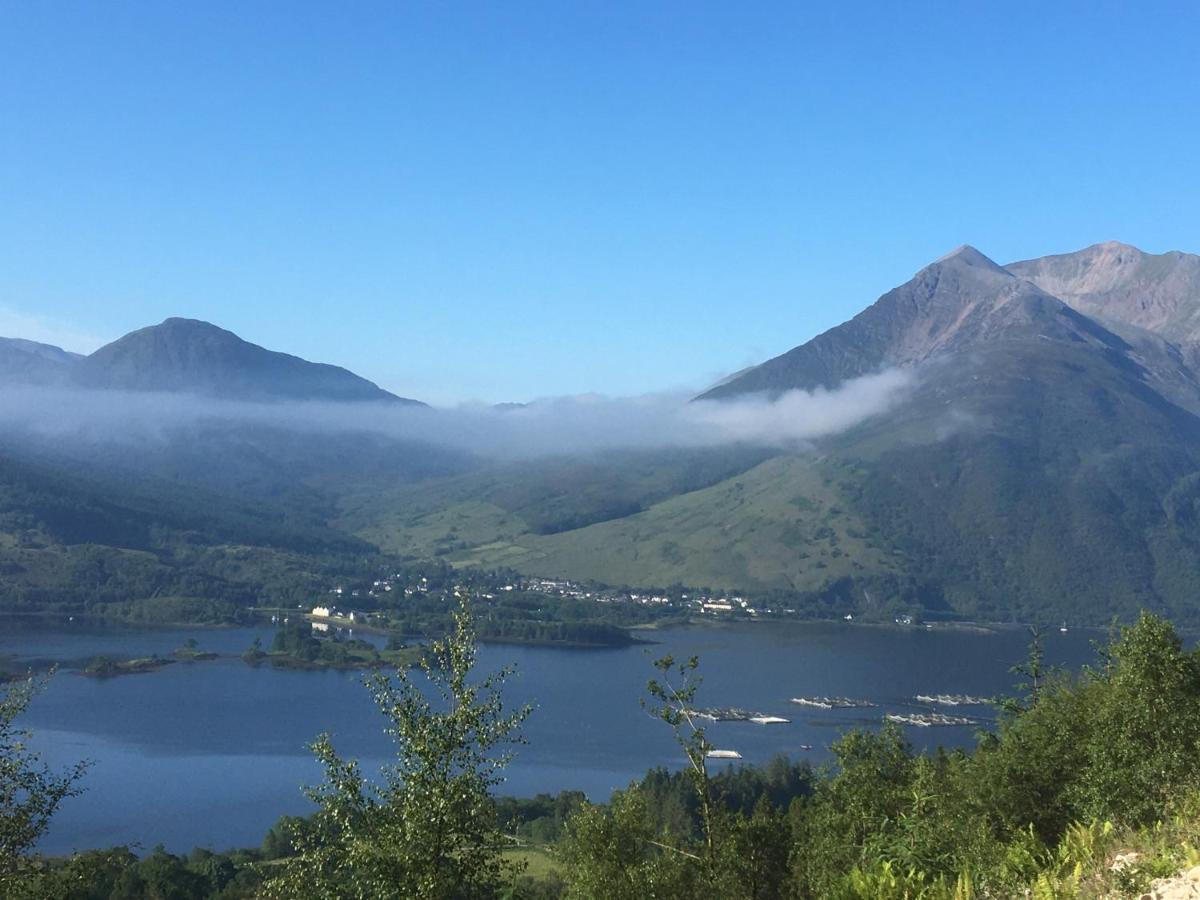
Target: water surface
212	753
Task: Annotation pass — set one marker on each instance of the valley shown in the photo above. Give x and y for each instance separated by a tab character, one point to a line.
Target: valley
1040	461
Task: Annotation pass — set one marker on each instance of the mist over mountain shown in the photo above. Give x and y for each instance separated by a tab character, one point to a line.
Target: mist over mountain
1001	442
1041	460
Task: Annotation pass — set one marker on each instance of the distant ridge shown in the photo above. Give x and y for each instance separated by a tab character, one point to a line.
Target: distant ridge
28	362
1116	282
192	356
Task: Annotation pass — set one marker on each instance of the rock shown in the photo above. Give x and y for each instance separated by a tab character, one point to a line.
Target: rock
1184	886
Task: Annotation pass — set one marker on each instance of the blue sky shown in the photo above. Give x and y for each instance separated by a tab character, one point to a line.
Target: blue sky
503	201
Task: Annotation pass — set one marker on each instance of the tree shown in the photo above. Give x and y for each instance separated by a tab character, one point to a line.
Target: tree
609	853
30	793
430	831
672	702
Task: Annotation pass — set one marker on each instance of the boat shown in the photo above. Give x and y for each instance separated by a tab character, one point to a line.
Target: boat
806	746
769	720
1063	628
723	754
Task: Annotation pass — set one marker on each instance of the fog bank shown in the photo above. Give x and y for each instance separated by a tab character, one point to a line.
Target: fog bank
548	426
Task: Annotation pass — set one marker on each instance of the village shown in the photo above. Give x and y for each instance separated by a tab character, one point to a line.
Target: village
376	605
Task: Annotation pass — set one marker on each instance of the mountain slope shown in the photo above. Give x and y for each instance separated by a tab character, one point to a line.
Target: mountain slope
960	301
1046	464
1115	282
31	363
190	356
782	524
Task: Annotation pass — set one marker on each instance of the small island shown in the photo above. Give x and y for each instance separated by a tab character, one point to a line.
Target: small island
190	652
298	646
107	666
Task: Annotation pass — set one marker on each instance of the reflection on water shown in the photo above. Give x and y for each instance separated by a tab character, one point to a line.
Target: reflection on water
211	753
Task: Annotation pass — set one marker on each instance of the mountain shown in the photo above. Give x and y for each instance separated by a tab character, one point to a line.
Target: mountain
962	300
28	362
1117	283
190	356
107	504
1044	465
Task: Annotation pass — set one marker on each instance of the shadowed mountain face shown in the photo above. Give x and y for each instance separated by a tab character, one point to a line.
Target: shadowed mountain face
189	356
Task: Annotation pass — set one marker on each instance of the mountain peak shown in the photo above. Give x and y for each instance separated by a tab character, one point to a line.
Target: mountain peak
959	302
192	356
1114	245
179	323
967	257
966	254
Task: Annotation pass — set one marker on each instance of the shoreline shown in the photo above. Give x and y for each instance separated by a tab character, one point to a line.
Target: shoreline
967	626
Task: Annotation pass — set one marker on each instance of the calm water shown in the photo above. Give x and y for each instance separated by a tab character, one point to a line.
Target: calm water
212	753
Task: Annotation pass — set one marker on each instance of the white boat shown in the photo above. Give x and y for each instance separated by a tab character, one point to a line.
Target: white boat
769	720
723	754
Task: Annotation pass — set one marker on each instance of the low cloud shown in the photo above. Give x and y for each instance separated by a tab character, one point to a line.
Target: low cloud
804	415
552	426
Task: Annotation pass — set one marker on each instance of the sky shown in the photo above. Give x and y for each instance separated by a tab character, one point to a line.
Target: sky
494	202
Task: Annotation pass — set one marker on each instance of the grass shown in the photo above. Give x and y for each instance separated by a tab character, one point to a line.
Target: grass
539	863
781	524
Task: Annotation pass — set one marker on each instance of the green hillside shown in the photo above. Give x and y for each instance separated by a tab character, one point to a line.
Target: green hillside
86	541
783	524
1027	480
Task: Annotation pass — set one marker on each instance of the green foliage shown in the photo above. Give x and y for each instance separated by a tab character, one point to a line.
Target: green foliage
30	792
430	831
613	853
537	819
1079	768
117	874
706	845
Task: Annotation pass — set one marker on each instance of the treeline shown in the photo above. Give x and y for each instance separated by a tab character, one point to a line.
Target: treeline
297	639
594	634
1081	767
516	616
